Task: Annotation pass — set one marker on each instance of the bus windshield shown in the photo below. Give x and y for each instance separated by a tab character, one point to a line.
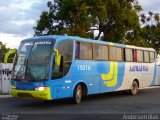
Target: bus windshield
32	62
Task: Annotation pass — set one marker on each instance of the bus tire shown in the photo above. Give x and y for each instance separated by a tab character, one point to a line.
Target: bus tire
134	88
78	93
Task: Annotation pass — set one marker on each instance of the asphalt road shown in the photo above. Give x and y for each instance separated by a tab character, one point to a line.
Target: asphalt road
147	101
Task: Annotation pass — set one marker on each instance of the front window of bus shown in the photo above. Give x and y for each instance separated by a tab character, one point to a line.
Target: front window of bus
33	61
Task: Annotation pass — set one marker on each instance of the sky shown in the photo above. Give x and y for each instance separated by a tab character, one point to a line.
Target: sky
18	17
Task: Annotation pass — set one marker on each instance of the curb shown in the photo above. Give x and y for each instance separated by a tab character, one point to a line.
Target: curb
5	96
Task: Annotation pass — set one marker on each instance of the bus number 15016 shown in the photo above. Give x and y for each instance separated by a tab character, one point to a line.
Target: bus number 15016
84	67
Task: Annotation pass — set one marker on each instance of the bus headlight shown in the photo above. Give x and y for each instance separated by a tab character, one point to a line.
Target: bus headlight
40	88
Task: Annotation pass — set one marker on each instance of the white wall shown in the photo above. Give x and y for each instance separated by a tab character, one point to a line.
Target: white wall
5	77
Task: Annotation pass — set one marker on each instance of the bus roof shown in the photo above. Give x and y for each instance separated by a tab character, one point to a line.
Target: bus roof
66	37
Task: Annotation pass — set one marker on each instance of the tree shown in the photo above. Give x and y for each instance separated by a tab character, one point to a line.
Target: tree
151	31
121	17
65	16
49	23
151	34
4	50
112	18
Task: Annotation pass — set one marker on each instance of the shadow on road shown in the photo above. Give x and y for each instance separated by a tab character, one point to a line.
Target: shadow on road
113	102
33	103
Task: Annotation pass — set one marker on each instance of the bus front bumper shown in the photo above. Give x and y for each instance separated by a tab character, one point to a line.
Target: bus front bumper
43	95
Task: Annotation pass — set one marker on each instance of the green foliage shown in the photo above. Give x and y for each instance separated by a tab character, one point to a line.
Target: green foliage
49	22
151	34
82	18
151	31
76	18
4	50
65	16
122	17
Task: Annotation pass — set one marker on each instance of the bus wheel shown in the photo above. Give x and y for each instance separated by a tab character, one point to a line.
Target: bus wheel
134	88
78	93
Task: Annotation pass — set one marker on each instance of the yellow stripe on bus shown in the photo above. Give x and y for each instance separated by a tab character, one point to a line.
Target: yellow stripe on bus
111	77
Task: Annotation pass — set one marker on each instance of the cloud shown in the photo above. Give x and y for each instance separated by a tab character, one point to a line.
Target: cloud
4	3
150	5
12	41
20	16
17	19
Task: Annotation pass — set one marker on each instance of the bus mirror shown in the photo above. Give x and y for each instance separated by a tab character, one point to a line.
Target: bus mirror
8	54
55	51
57	58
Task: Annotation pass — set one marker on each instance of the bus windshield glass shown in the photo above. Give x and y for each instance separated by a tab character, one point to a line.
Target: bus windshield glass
32	62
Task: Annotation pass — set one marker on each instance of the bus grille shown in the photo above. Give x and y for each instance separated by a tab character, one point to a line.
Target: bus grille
25	95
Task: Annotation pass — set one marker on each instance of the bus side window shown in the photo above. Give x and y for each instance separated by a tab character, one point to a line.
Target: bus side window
140	56
120	54
134	55
77	50
128	55
152	56
112	53
146	56
83	51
